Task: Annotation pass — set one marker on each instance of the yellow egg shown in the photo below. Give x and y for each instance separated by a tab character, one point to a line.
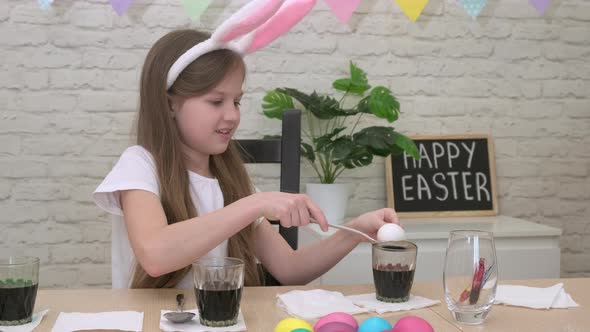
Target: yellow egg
290	324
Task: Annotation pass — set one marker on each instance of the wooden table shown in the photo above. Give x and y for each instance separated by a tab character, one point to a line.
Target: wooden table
262	314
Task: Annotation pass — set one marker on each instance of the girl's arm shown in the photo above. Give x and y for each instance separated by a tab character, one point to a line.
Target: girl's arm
161	248
298	267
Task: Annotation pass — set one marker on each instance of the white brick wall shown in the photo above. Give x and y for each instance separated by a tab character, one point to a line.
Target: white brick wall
69	78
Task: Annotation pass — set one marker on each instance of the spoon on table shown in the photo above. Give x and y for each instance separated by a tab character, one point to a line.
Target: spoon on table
179	316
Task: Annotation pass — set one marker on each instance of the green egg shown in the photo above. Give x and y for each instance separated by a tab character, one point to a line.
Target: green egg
301	330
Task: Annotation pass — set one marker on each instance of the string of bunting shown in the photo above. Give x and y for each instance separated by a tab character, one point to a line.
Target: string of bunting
342	9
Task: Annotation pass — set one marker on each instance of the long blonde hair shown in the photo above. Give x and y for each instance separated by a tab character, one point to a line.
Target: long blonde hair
157	132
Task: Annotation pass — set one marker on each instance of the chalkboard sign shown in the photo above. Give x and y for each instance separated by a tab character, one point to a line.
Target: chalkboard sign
455	176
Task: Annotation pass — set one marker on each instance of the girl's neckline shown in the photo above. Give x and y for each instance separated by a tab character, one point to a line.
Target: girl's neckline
201	177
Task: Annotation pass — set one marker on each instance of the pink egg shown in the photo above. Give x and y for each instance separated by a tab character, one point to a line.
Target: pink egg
336	327
413	324
337	317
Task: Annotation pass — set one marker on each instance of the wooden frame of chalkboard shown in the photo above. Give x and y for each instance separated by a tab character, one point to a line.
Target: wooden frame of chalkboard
429	187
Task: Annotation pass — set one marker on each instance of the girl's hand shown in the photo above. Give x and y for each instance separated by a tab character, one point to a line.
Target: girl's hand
370	222
290	209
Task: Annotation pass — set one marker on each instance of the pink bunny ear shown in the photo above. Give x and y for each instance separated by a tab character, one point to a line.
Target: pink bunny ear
288	15
248	18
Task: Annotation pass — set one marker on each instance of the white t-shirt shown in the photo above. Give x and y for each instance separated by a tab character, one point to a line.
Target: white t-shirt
136	170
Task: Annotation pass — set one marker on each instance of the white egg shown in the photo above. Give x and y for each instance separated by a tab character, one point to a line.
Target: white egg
391	232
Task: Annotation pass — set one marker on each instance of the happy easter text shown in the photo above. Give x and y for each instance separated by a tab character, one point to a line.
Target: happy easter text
452	177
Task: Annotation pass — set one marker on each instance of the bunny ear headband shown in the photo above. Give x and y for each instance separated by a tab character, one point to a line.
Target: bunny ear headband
258	23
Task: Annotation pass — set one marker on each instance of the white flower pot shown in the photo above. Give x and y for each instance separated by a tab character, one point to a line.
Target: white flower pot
331	198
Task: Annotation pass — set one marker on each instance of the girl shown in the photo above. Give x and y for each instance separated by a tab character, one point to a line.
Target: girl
183	190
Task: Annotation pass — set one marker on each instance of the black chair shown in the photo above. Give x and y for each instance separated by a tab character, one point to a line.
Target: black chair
284	150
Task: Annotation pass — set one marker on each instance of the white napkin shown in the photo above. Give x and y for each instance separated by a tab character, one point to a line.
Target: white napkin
533	297
37	317
113	320
195	326
316	303
370	302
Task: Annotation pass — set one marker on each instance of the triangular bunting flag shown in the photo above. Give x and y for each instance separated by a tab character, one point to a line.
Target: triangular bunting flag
196	8
45	4
540	5
343	9
412	8
473	7
121	6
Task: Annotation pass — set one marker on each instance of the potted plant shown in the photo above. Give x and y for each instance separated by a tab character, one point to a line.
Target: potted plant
332	141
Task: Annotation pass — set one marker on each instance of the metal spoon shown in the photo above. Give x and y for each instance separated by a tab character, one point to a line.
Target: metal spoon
354	231
349	229
179	316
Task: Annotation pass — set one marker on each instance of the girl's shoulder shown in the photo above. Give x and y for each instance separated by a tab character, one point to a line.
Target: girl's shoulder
135	169
137	151
136	157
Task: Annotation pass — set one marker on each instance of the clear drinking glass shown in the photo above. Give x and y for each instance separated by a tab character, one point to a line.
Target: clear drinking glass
470	275
19	277
218	290
394	263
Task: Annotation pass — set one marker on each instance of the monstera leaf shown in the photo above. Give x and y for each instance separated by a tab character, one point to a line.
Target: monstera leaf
274	103
322	107
405	144
325	142
381	103
357	83
358	156
383	141
307	152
